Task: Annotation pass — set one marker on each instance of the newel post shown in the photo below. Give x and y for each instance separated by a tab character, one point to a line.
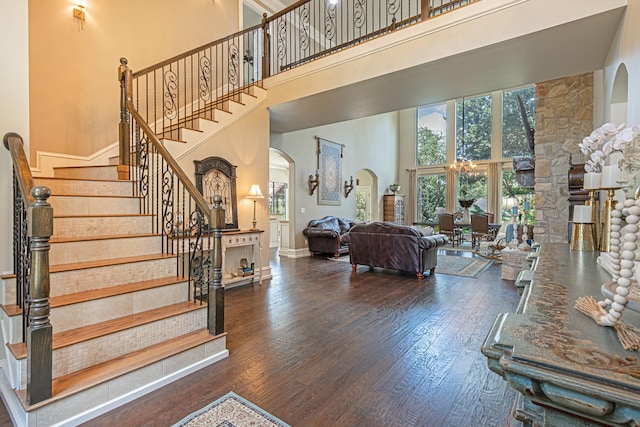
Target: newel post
39	330
124	135
216	291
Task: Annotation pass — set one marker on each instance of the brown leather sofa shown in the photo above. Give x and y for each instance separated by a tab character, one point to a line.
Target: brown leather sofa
326	235
396	247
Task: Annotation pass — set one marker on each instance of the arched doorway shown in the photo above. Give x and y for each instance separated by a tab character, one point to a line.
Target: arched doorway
367	209
281	191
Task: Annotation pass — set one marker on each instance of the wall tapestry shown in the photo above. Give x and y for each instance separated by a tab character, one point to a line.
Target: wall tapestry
330	165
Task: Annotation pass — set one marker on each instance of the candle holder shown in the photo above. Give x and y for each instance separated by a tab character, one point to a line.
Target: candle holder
313	183
582	237
595	215
348	186
607	207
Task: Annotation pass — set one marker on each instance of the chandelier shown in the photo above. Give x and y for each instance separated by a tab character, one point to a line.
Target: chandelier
462	166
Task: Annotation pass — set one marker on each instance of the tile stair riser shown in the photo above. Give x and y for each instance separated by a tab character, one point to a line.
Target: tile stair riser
88	353
101	226
93	250
113	188
108	173
12	329
69	282
78	205
66	317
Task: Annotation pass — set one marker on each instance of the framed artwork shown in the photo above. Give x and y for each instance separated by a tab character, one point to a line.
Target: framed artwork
330	166
216	176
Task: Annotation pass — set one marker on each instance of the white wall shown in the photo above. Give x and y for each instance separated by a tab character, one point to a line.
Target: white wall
14	110
625	50
370	143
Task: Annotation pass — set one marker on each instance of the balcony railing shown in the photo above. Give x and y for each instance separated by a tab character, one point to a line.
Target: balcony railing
179	91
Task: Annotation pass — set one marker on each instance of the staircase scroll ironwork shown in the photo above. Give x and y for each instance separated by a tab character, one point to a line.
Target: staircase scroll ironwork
189	226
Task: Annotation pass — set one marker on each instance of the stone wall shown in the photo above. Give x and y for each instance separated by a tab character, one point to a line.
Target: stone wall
564	116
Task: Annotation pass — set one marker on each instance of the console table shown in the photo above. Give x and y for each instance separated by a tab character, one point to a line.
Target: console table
249	242
568	370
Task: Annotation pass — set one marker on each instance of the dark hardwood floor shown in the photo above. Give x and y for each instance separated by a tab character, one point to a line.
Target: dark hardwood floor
320	346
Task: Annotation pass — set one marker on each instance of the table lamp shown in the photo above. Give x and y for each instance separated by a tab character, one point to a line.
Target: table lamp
255	194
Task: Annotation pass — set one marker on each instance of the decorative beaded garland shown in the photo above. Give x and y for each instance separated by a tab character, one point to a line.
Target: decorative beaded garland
623	252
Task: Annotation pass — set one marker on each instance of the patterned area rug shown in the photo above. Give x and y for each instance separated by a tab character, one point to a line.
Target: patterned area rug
231	410
462	266
451	265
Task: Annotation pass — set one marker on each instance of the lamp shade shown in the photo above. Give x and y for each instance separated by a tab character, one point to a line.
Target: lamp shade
255	193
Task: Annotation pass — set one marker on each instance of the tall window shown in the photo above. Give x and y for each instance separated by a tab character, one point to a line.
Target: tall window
432	191
432	135
473	187
473	128
518	114
475	133
513	194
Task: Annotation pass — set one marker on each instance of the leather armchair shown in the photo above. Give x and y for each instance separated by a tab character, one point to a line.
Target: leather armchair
326	235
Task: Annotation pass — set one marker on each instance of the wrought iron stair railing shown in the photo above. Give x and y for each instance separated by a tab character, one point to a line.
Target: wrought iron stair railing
191	229
181	90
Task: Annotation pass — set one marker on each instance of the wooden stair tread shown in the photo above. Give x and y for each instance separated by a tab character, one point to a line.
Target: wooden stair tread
78	381
107	262
84	167
94	294
101	237
57	268
102	196
60	178
125	215
85	333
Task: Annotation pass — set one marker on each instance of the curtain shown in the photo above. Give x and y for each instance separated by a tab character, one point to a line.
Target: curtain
452	196
412	205
494	174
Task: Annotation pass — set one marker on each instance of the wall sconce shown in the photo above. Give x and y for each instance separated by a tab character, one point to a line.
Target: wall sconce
313	183
348	186
255	194
78	11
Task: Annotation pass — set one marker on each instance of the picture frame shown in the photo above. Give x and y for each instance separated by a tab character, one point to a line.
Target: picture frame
216	176
330	167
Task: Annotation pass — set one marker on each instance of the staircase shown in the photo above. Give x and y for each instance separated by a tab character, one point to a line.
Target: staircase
122	320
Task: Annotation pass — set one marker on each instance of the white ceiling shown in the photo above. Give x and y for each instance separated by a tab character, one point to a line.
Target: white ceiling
569	49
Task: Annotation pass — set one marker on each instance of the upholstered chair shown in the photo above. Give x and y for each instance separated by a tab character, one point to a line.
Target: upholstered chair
447	227
479	227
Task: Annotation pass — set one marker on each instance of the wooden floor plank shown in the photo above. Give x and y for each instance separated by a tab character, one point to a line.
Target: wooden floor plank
318	345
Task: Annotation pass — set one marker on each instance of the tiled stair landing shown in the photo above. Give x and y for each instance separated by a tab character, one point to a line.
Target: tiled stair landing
123	325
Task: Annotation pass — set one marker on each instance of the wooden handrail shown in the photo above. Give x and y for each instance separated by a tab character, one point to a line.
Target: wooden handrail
13	142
